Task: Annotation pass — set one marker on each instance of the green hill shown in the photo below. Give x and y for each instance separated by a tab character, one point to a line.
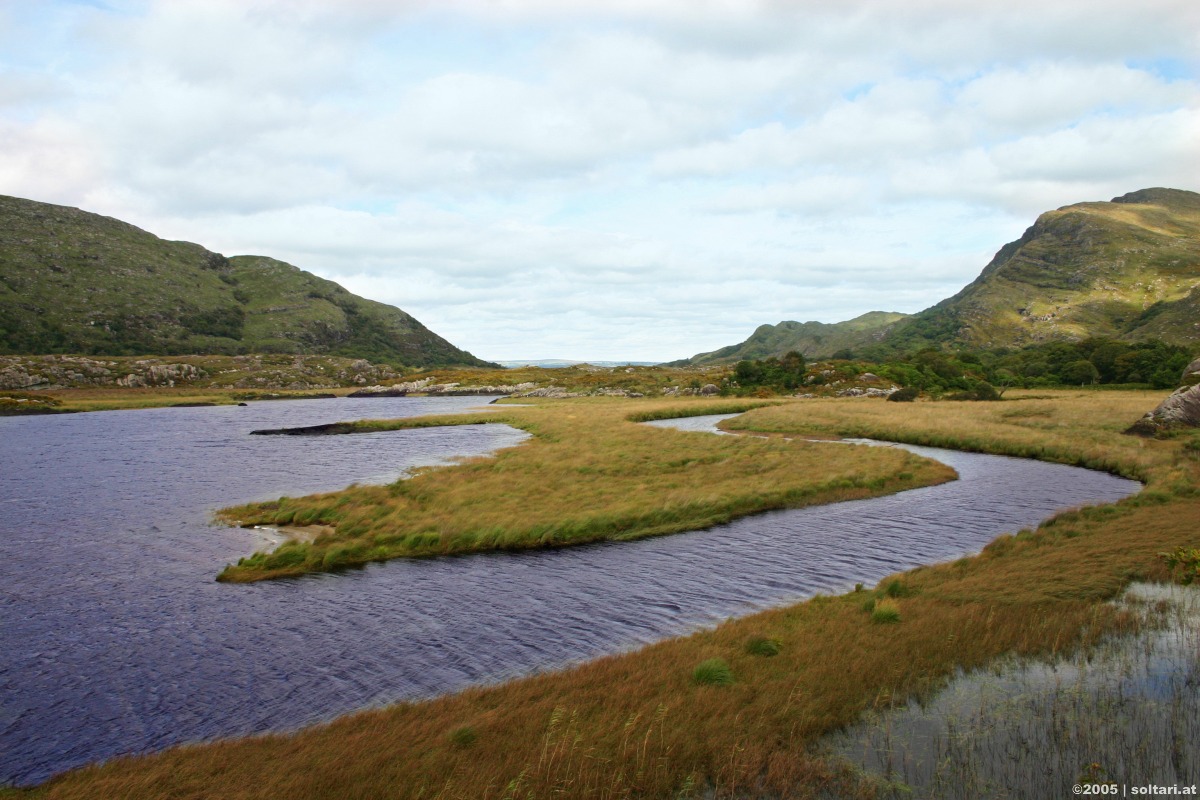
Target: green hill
76	282
813	339
1128	269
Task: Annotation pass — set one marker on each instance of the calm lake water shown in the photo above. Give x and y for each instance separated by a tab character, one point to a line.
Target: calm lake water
116	639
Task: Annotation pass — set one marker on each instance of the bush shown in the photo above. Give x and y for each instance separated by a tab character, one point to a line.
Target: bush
1184	564
905	395
762	646
713	672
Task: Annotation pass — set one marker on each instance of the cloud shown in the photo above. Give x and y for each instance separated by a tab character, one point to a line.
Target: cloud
601	179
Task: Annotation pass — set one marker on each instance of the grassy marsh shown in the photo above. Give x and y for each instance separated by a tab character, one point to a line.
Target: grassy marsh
638	725
589	474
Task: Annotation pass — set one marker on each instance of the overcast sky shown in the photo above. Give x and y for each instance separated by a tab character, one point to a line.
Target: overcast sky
605	180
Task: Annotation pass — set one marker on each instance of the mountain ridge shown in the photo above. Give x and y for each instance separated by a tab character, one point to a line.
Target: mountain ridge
77	282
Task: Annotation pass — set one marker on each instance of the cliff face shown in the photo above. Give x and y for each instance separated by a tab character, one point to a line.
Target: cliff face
76	282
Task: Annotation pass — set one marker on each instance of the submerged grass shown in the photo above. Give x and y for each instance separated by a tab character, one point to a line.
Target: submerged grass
638	725
590	473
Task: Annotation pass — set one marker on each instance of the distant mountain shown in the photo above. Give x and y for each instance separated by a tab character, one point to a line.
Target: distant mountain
1128	269
813	339
559	363
76	282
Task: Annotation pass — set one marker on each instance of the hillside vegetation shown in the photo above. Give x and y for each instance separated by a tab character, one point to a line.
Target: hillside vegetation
76	282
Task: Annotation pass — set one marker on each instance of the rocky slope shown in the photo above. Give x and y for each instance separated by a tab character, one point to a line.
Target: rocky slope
76	282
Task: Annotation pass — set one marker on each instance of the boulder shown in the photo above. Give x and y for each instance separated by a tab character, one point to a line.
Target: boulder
709	389
1191	374
1180	410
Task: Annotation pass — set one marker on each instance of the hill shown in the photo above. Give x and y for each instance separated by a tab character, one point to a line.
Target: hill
76	282
1128	269
813	339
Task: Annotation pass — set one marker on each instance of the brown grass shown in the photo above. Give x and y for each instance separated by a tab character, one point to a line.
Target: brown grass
637	725
589	474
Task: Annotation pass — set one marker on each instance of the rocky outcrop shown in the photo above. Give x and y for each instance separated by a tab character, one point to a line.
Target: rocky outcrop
1191	374
1180	410
871	391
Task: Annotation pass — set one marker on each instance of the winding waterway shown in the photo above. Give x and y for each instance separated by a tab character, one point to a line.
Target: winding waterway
115	638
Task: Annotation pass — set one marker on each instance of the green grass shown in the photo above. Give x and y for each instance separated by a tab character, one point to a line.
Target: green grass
885	612
713	672
763	646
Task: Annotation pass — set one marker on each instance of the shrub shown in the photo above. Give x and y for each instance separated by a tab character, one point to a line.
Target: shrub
885	612
1184	563
713	672
905	395
762	646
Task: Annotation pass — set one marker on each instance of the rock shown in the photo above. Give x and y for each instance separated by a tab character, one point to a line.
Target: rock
872	391
710	389
1180	410
380	391
869	377
1191	374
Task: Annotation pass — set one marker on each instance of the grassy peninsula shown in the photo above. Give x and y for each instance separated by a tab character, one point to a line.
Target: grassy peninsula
590	473
737	711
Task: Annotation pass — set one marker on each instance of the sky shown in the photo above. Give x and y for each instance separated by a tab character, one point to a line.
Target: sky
601	180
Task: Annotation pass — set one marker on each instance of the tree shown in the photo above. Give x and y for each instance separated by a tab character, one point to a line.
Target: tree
1080	372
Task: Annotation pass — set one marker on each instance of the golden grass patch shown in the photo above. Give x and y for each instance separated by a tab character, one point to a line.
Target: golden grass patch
590	473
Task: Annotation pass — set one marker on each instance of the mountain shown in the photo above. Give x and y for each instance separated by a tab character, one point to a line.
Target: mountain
1127	269
76	282
561	363
813	339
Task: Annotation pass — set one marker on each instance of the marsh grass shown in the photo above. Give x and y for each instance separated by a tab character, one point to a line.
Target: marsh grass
1124	711
885	612
589	473
636	725
762	646
713	672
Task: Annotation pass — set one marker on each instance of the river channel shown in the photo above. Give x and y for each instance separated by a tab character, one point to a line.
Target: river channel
116	639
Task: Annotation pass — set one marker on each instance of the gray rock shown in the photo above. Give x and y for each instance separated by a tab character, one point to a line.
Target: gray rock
1191	374
709	389
1180	410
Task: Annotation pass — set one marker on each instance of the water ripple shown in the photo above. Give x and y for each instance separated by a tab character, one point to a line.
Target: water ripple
117	639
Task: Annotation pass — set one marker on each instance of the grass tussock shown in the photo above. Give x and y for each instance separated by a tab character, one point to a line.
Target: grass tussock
638	725
590	473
